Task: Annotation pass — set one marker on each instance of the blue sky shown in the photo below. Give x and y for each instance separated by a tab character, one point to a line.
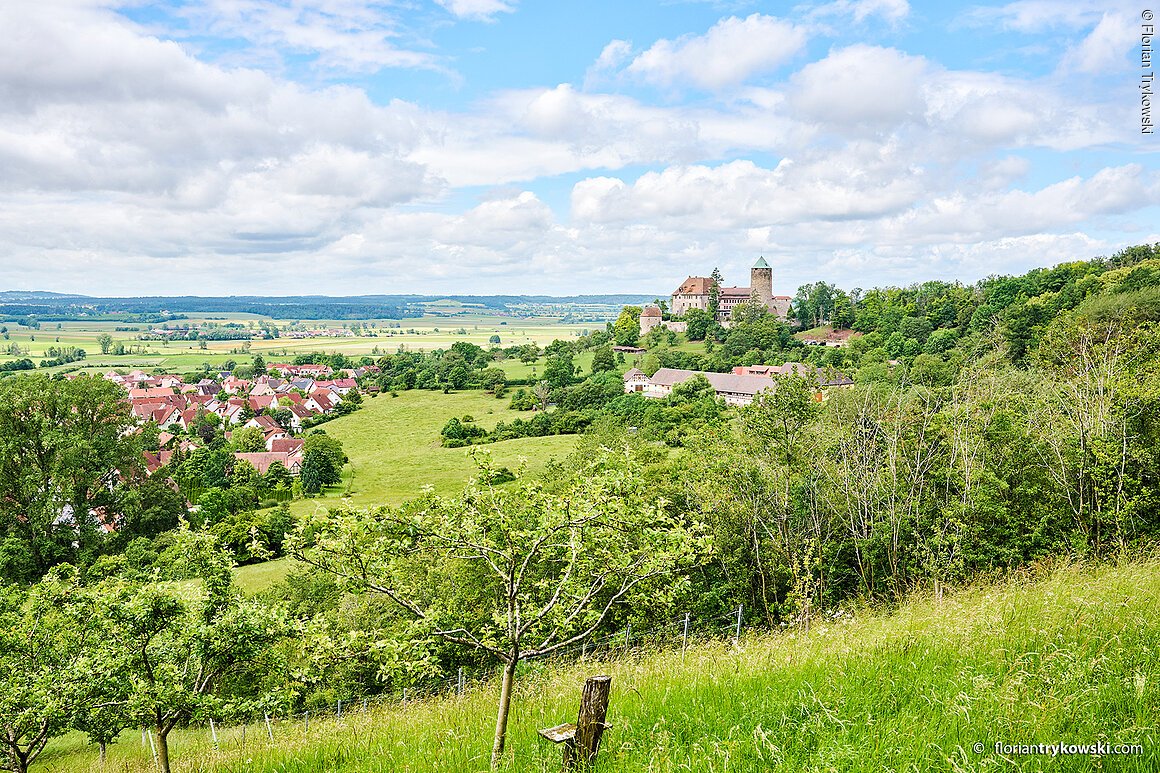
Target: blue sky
508	146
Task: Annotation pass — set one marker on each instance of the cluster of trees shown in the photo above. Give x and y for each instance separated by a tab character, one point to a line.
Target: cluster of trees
107	652
13	365
599	399
468	366
61	355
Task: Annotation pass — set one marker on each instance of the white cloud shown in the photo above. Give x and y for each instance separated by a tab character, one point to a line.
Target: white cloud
860	86
729	53
893	11
484	10
1033	16
613	55
340	35
1107	47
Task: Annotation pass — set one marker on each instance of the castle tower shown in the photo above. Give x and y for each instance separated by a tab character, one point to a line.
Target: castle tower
761	280
650	317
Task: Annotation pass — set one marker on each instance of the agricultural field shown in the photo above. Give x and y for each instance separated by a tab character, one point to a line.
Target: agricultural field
393	444
437	330
1068	656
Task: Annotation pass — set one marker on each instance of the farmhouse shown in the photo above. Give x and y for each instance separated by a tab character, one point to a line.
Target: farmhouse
737	388
733	389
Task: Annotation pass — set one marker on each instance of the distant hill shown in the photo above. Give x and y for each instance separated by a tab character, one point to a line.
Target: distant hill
48	306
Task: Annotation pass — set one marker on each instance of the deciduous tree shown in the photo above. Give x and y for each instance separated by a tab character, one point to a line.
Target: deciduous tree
514	572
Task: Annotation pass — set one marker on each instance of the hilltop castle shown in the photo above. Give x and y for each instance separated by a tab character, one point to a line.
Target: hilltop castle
694	294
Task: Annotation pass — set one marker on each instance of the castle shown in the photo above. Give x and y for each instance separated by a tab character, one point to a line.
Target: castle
694	294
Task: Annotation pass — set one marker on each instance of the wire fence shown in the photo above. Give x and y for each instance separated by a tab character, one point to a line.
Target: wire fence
676	633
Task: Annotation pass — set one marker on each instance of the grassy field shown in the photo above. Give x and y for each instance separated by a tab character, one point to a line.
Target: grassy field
1071	657
255	578
434	331
394	446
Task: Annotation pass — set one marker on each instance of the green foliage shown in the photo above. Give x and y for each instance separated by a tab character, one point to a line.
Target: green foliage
626	330
603	359
248	439
59	443
47	642
184	659
559	371
457	433
322	462
697	322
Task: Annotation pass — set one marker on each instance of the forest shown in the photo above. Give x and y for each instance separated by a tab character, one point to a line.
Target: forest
989	427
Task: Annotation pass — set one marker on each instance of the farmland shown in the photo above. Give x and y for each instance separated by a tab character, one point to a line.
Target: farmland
439	329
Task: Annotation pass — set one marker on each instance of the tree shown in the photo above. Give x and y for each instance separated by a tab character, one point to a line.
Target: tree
322	461
277	476
697	324
105	341
515	573
283	417
61	444
559	371
183	656
529	353
603	359
494	340
248	440
714	293
626	329
543	393
46	664
492	379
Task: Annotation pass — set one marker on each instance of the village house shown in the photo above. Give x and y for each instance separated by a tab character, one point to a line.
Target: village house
737	388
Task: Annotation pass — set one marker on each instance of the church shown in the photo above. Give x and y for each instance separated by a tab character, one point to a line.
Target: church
694	294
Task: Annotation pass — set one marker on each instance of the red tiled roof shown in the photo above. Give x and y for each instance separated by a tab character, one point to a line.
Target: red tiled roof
695	285
288	445
263	459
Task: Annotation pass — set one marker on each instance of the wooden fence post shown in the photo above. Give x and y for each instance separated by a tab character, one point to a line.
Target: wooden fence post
582	740
590	724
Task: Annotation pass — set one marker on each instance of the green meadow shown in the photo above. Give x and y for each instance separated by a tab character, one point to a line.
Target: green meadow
393	444
1067	654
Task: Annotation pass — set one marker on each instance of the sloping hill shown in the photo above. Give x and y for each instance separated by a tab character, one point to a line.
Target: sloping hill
1071	656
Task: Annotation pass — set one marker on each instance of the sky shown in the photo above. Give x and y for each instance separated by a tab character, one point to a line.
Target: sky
341	147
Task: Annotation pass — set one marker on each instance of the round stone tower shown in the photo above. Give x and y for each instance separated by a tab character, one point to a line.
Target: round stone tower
650	317
761	280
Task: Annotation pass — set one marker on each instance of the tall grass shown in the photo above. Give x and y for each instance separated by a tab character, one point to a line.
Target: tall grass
1071	655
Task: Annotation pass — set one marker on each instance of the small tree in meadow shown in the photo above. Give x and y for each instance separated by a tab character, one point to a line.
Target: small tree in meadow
46	664
515	572
179	655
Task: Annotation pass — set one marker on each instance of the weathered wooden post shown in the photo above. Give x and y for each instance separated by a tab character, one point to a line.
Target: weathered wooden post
582	739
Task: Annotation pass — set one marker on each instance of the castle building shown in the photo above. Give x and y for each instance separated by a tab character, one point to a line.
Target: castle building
694	294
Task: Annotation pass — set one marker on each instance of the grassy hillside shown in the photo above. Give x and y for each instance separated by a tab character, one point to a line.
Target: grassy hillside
394	446
1072	656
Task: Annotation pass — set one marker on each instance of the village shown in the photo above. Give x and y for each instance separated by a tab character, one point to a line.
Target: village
281	404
